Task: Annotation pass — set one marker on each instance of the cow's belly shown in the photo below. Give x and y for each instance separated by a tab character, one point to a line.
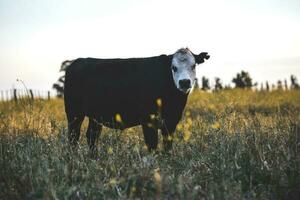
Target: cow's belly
118	108
125	123
118	114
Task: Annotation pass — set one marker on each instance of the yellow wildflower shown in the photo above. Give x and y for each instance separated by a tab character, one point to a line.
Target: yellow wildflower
159	102
187	113
216	125
113	182
211	106
189	121
118	118
110	150
186	135
186	126
179	127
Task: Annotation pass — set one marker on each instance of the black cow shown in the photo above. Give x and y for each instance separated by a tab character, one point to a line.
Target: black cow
121	93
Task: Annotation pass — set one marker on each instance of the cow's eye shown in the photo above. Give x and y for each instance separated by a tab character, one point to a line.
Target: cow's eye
193	67
174	68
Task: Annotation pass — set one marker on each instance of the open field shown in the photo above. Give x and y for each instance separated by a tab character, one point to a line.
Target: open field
229	145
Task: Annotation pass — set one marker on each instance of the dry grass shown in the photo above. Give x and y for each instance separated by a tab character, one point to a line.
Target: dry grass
229	145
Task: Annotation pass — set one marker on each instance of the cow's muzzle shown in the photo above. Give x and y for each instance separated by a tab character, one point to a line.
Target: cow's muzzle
185	84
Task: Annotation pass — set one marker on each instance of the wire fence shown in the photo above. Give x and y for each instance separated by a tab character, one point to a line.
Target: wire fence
17	94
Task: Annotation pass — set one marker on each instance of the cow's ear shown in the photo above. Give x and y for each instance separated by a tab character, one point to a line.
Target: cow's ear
201	57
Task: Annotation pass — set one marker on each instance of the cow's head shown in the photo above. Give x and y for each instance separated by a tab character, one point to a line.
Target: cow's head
184	68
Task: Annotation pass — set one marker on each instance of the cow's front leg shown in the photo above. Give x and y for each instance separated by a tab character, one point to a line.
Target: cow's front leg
92	135
167	130
150	136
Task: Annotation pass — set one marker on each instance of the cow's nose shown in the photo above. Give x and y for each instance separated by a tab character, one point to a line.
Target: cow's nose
185	83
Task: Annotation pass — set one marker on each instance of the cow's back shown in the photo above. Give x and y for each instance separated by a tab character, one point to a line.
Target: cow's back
103	87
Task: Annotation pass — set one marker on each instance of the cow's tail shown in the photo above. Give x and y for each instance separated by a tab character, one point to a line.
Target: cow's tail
65	65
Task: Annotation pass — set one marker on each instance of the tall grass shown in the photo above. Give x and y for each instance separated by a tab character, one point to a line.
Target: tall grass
229	145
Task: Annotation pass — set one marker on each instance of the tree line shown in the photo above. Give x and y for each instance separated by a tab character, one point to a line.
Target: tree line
243	80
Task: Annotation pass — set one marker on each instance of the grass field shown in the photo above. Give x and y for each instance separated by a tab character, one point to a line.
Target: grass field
229	145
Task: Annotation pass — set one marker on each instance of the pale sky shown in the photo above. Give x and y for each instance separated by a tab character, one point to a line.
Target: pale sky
259	36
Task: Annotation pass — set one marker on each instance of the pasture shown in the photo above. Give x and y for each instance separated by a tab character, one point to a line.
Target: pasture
232	144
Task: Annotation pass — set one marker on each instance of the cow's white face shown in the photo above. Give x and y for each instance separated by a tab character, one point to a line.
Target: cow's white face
184	70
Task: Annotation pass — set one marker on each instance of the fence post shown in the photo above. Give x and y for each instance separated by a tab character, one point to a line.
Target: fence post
48	95
31	94
15	95
2	96
7	95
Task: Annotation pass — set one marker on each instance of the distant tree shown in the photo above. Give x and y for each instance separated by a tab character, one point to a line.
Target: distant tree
218	84
227	87
59	90
267	86
294	83
286	87
205	83
238	81
59	86
196	85
279	85
273	87
243	80
261	87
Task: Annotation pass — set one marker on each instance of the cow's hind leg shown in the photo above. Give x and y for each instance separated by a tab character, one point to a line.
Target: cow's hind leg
92	135
150	136
74	124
